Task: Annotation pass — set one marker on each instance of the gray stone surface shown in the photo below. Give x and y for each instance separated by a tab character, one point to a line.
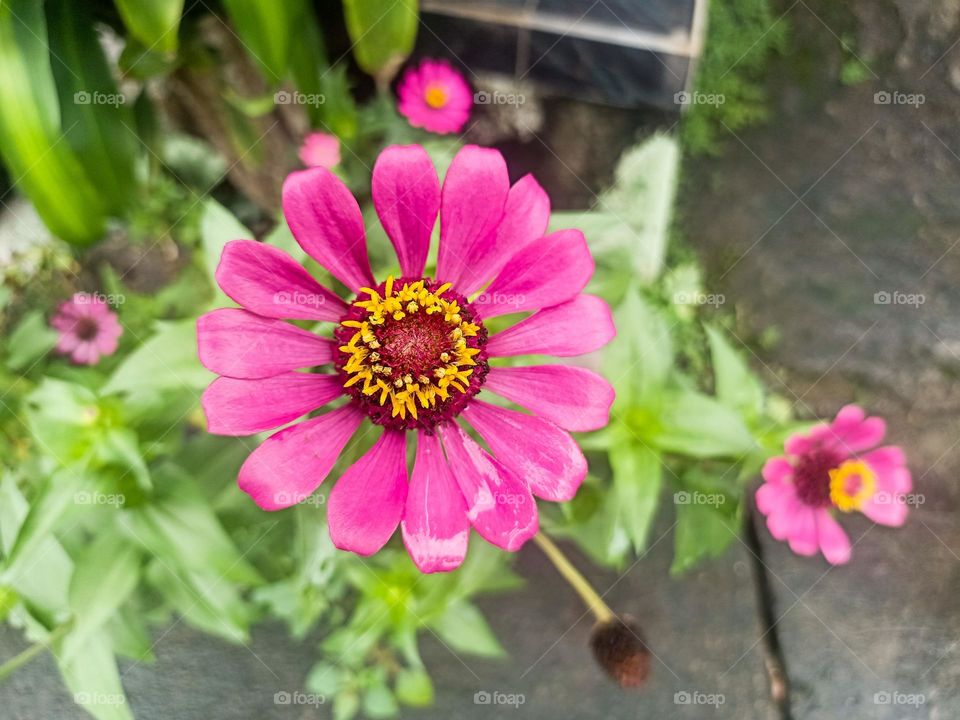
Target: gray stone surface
803	222
702	629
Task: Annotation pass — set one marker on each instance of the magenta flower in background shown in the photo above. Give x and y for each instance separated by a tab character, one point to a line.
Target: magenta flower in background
435	97
412	354
320	149
835	466
88	329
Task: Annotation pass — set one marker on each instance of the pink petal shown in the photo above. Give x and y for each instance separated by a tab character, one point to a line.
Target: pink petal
267	281
774	497
547	272
886	508
85	354
365	505
239	344
783	513
572	397
537	451
290	464
246	407
834	543
320	150
803	536
777	470
406	195
525	219
435	526
853	432
885	459
325	219
579	326
500	506
471	207
803	442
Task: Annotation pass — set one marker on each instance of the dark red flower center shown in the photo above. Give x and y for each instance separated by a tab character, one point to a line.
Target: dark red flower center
412	353
85	328
811	476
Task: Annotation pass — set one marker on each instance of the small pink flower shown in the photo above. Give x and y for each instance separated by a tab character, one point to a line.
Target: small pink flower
833	468
320	149
435	97
412	356
88	329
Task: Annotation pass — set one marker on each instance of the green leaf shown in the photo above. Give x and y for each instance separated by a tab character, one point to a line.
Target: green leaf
265	28
629	226
30	340
44	571
153	23
378	702
166	361
207	601
464	629
31	136
130	636
702	531
218	226
637	479
104	576
93	679
57	495
640	359
414	687
183	530
63	419
694	424
736	386
382	35
346	705
99	125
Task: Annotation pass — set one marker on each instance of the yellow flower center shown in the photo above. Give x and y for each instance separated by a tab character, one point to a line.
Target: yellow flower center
851	485
435	97
410	348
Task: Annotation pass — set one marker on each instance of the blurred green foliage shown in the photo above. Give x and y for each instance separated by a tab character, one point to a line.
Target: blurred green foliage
742	37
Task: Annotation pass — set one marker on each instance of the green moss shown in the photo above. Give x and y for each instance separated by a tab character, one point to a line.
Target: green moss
742	36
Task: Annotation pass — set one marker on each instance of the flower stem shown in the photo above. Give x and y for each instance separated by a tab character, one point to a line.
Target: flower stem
21	659
578	582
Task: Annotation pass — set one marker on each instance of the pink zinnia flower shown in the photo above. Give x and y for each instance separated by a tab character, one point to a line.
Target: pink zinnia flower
320	150
832	467
435	97
412	354
88	329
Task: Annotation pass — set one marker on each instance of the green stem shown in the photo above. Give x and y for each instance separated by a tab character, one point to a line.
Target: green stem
21	659
578	582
